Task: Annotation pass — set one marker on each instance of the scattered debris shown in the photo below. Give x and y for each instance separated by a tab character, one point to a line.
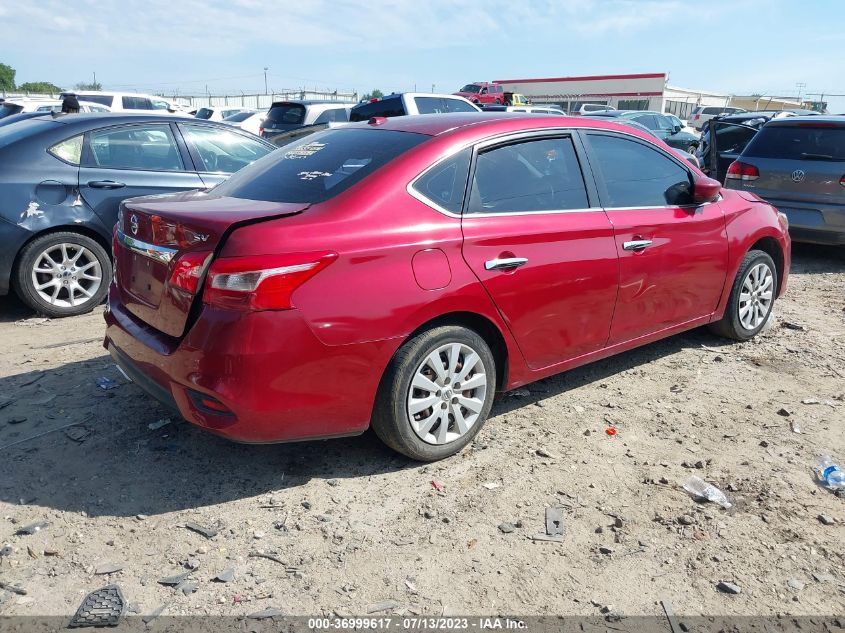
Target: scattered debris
686	519
519	393
384	605
107	383
542	452
793	326
227	575
13	588
610	431
810	401
826	519
784	412
154	615
199	529
728	587
104	569
267	614
17	420
676	389
670	615
32	528
104	607
795	426
702	490
155	426
795	584
438	486
173	581
187	587
78	433
491	485
554	522
6	550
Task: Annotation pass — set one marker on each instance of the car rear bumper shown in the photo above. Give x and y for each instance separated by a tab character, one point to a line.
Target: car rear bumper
822	224
277	380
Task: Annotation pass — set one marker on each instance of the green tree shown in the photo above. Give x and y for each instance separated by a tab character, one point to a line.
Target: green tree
7	77
39	86
93	85
375	94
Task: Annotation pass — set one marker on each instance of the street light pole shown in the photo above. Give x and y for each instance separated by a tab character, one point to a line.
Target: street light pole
265	81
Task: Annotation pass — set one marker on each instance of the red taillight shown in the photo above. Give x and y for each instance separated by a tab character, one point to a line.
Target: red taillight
263	282
261	131
696	117
842	181
742	171
186	271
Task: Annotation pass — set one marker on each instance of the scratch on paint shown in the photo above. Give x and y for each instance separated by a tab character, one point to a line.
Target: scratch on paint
78	201
32	211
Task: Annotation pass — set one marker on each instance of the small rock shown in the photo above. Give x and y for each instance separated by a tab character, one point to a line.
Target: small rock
810	401
728	587
605	550
385	605
104	569
491	485
227	575
257	535
827	519
599	530
323	518
795	584
332	482
141	517
784	412
506	528
542	452
823	577
686	519
32	528
306	505
267	614
188	587
192	563
764	444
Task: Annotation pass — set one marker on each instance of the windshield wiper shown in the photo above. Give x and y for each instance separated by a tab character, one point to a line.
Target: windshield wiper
808	156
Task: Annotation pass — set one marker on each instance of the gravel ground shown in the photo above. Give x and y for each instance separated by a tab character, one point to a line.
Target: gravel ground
348	525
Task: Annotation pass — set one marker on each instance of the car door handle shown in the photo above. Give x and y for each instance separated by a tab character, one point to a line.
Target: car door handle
508	262
636	245
105	184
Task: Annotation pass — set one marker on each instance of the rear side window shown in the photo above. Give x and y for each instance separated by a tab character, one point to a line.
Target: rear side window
386	108
137	103
318	167
8	109
69	150
713	110
430	105
537	175
798	143
222	150
335	115
287	113
105	100
204	113
459	105
638	176
445	183
142	147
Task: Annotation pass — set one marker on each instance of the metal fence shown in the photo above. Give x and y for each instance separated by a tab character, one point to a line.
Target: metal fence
259	101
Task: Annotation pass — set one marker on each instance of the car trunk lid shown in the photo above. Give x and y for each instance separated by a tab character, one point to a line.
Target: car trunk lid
164	244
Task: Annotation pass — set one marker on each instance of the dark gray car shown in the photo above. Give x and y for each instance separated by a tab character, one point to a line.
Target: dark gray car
62	178
798	165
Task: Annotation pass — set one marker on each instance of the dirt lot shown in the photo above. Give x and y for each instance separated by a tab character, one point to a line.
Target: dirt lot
351	524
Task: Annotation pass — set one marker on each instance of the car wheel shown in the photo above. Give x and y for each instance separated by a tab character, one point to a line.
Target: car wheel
436	393
692	149
63	274
752	298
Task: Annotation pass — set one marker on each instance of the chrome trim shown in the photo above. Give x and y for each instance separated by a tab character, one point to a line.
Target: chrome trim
154	252
636	245
507	262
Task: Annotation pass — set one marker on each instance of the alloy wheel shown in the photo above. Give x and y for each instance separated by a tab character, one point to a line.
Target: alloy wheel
447	394
756	296
66	275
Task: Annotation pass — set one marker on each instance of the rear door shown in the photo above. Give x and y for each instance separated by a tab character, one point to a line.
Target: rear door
132	160
217	153
672	254
545	255
722	145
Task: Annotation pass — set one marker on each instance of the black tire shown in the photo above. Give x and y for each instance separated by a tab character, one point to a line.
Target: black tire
692	149
391	420
25	285
730	325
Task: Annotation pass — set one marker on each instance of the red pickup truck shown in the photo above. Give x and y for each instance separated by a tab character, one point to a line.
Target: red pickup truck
483	92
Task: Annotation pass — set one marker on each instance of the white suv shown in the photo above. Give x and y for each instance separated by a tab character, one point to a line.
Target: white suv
703	114
18	106
129	102
400	104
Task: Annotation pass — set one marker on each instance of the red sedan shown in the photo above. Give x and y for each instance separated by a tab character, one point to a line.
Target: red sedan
398	273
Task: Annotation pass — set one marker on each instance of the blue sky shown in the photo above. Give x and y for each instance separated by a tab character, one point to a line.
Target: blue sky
731	46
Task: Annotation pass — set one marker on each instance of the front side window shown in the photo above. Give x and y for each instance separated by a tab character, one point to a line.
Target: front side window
137	103
445	183
69	150
538	175
648	120
159	105
458	105
473	88
143	147
389	107
106	100
430	105
636	175
221	150
319	166
204	113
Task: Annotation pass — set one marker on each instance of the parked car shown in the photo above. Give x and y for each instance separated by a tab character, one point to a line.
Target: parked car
62	178
350	279
248	120
11	107
691	158
129	102
516	99
591	108
796	164
684	125
483	92
531	109
406	103
286	116
732	133
702	114
660	125
217	113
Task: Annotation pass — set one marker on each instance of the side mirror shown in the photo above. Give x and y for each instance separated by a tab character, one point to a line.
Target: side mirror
706	190
676	129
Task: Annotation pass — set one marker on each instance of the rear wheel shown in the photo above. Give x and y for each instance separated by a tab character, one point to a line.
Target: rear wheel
752	298
63	274
436	393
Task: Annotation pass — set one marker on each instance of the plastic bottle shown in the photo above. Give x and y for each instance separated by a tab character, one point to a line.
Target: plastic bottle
830	474
700	488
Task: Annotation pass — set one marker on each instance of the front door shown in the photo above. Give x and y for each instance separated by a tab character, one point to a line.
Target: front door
132	160
544	254
673	255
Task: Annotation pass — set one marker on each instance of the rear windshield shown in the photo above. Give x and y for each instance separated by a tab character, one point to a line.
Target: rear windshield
285	116
385	107
204	113
240	116
319	166
798	143
8	109
105	100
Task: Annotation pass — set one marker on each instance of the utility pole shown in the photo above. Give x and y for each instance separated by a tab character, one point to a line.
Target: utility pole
800	87
95	79
266	92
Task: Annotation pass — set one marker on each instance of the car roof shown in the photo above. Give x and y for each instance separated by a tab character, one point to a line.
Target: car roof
311	102
830	120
